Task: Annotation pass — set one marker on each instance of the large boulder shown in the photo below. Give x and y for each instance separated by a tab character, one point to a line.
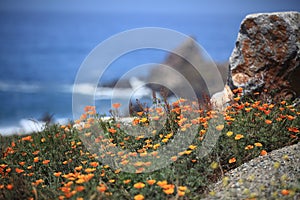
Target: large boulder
266	56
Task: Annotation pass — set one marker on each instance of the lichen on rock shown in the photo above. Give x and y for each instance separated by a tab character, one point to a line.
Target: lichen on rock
267	55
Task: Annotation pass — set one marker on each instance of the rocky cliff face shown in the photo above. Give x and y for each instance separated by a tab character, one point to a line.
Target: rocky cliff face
266	56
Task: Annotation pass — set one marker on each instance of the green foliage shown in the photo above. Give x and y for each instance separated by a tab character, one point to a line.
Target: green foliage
56	163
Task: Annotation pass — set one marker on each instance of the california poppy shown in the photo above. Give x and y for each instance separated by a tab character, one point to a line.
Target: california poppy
139	185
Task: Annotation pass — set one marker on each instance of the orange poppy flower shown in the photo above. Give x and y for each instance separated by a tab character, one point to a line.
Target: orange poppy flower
3	166
187	152
36	152
127	181
283	102
261	108
165	140
68	194
237	98
240	90
37	182
293	129
139	185
27	138
78	168
238	137
9	186
112	180
86	126
102	188
181	193
24	154
92	112
182	188
169	191
290	117
45	162
89	170
220	127
135	121
19	170
248	147
174	158
79	188
116	105
285	192
139	197
263	152
162	183
267	112
112	130
86	108
258	144
124	162
151	182
140	113
248	109
57	174
138	164
13	144
36	159
267	121
240	107
232	160
94	164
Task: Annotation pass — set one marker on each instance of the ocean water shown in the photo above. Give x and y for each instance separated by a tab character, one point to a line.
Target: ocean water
41	52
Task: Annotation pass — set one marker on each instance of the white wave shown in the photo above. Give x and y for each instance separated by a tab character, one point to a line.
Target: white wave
25	126
10	130
121	93
84	88
29	126
137	90
19	87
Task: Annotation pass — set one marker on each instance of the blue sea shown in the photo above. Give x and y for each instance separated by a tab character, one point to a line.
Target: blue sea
41	52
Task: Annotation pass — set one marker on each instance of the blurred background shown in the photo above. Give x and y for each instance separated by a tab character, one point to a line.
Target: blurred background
43	43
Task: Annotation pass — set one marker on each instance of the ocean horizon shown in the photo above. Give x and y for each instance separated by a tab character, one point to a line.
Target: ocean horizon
41	53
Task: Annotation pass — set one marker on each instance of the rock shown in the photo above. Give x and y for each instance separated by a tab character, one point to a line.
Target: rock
175	81
266	56
260	173
220	99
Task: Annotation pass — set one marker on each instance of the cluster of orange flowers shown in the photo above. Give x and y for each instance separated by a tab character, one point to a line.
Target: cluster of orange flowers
262	111
188	117
164	185
28	171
